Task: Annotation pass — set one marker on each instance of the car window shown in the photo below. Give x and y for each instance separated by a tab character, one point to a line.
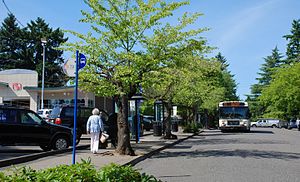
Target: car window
35	117
68	112
55	112
8	116
30	118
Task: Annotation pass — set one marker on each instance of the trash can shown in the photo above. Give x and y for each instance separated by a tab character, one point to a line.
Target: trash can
174	126
157	128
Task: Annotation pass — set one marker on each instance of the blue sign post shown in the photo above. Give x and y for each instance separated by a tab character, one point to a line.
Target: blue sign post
80	63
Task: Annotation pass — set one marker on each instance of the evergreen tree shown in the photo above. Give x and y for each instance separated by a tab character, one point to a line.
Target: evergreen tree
293	46
267	70
36	30
22	49
11	36
228	81
271	62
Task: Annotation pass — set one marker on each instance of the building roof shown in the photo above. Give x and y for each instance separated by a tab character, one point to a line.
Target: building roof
58	89
17	71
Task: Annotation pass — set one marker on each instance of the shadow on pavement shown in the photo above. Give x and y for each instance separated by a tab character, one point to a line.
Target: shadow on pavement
261	131
177	176
256	154
219	141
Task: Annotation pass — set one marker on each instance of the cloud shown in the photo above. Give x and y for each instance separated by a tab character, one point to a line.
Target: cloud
242	22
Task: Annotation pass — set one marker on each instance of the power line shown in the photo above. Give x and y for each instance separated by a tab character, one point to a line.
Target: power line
12	13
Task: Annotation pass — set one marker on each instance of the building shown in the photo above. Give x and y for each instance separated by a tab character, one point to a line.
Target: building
19	87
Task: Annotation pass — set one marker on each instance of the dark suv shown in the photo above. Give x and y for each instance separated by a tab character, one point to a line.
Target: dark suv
65	116
23	126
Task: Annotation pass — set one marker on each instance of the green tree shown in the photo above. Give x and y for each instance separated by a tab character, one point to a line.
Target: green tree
267	69
124	46
22	49
11	36
282	97
33	55
228	81
293	46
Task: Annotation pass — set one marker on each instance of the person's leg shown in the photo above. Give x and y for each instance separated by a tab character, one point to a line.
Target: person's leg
92	141
96	142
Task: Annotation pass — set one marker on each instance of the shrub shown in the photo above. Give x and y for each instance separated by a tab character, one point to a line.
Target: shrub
191	127
81	172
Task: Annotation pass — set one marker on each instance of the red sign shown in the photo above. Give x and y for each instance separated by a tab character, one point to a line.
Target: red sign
16	86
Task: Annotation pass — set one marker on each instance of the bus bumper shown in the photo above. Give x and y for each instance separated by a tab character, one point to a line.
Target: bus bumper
243	128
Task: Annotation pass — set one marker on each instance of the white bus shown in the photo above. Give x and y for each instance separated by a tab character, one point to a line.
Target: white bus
234	115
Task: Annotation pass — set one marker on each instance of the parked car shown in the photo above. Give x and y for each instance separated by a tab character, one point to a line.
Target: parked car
266	123
23	126
283	124
44	113
293	123
65	116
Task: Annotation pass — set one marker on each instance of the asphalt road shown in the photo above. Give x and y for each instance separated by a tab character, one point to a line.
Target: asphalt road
263	155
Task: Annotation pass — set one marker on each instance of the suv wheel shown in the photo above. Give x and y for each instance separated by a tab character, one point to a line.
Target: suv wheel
60	142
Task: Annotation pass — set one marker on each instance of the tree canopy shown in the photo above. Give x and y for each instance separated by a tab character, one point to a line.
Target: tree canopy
21	48
275	93
282	97
128	40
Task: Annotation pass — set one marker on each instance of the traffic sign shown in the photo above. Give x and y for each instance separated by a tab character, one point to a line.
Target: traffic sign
82	61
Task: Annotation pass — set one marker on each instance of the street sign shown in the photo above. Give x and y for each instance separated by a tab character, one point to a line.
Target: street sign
69	67
82	61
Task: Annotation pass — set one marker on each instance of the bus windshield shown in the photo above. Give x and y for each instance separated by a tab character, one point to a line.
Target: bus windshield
233	112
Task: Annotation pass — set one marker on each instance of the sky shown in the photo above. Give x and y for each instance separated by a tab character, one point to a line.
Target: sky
244	31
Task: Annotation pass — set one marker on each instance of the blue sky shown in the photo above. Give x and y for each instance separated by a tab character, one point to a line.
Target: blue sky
244	31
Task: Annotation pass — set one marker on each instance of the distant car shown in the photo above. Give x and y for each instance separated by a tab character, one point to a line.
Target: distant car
148	122
65	116
44	113
23	126
266	123
283	124
293	124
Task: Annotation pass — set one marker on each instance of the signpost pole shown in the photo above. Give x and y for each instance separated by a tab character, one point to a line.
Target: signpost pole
75	106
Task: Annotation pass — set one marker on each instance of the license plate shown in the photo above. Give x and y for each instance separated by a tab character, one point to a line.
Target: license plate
233	123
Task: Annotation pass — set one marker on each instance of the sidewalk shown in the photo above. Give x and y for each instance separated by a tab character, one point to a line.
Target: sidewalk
148	146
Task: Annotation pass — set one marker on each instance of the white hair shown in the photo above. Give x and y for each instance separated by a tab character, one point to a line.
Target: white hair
95	111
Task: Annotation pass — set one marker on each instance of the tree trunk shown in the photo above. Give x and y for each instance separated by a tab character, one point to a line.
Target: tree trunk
124	147
168	134
195	111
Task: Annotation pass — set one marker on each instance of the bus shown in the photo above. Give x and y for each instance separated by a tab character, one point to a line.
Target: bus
234	115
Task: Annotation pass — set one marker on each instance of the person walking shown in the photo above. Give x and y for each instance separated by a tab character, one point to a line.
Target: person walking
94	127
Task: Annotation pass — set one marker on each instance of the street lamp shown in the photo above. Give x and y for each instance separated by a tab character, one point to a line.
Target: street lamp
44	42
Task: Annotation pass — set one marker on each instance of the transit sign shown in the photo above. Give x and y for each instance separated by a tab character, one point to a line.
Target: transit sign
82	61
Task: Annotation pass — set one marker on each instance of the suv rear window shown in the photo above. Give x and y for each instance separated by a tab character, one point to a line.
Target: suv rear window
8	116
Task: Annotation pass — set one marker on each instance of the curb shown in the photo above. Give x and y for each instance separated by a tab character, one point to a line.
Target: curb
31	157
156	151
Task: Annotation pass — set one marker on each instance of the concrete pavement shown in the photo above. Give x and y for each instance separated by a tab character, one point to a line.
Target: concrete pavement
148	146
